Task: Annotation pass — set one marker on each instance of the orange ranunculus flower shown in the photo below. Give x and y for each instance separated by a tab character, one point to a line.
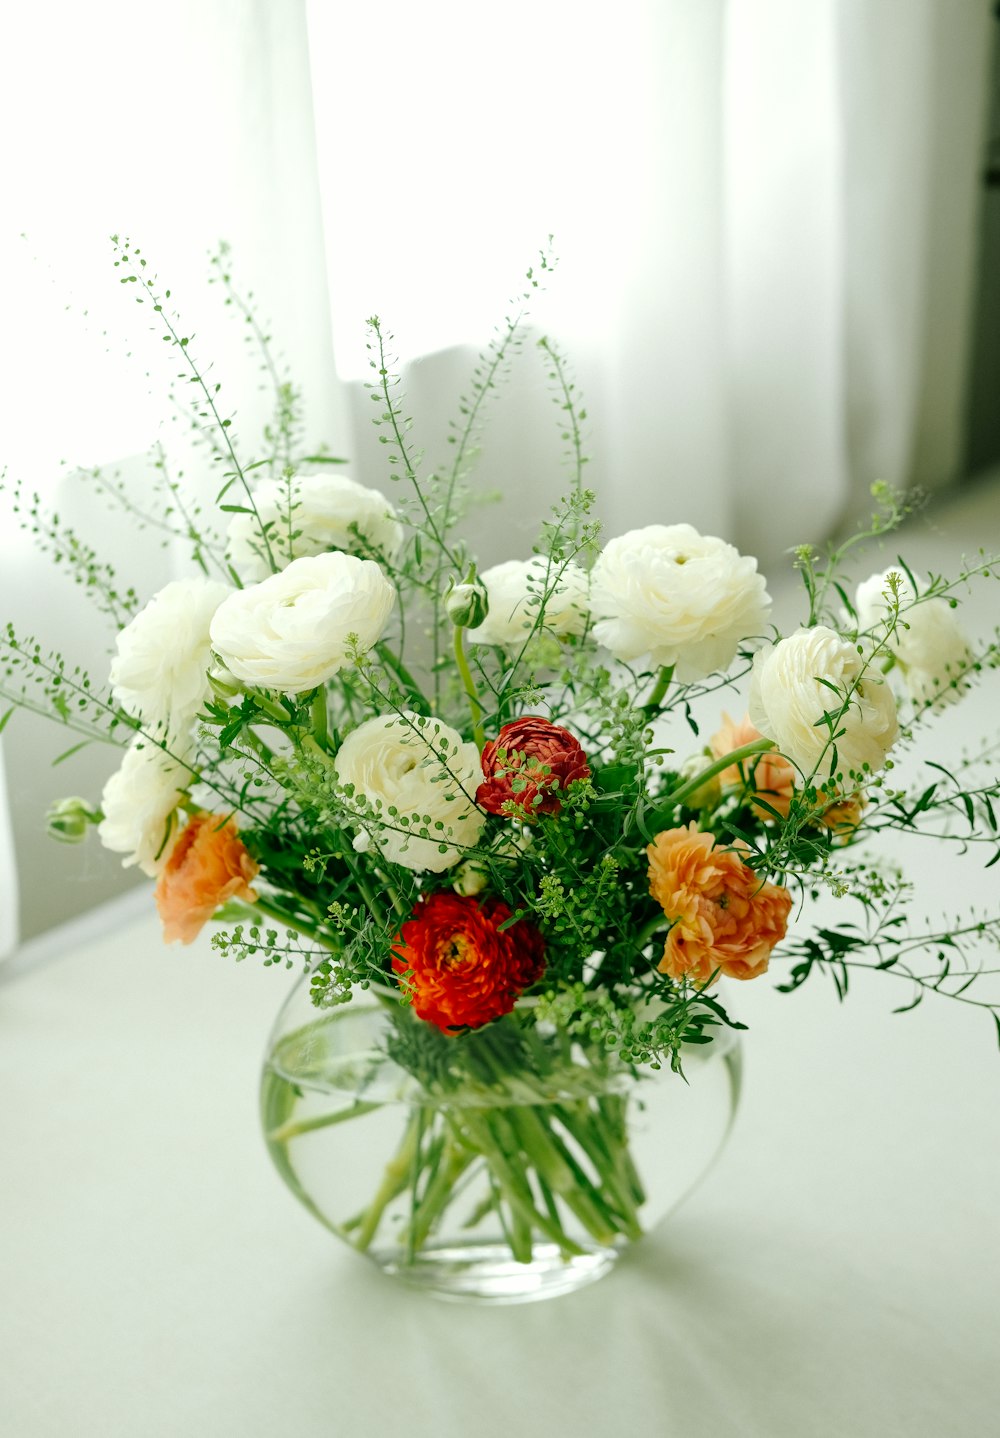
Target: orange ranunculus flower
768	776
462	968
723	916
206	866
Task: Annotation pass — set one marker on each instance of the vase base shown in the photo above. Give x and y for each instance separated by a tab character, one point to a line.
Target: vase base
486	1272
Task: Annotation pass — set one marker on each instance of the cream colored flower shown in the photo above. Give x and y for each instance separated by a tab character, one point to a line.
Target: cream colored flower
160	673
682	598
930	649
294	630
790	691
139	802
420	777
470	879
516	590
327	511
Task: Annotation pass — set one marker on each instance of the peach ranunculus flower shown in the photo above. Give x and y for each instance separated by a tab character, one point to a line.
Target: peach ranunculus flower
723	917
768	776
772	778
207	865
842	814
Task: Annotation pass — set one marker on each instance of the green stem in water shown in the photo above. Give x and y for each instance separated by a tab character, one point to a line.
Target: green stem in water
415	1169
550	1157
468	683
493	1135
394	1181
287	1131
440	1190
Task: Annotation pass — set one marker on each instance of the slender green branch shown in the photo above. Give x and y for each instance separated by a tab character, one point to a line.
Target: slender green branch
469	685
181	343
677	796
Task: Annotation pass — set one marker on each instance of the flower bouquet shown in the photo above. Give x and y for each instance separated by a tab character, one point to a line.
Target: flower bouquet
477	808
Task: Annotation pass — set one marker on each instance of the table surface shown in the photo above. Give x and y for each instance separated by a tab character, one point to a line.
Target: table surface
836	1273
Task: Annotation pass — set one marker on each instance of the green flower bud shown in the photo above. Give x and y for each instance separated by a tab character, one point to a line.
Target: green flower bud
222	683
470	879
67	820
467	603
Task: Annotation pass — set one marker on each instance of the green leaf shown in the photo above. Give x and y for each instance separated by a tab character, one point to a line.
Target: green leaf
68	753
914	587
924	800
509	923
844	599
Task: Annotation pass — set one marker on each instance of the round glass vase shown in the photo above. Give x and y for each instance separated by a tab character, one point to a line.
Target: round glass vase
518	1168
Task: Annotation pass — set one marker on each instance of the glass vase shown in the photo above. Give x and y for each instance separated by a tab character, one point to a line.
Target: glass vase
517	1167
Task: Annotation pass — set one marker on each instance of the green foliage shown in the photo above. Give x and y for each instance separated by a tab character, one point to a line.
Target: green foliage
246	941
579	874
54	537
654	1031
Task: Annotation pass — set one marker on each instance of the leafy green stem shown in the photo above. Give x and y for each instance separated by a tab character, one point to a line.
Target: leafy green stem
469	685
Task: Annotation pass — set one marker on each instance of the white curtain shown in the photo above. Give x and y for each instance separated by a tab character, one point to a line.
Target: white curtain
178	125
766	216
9	896
764	212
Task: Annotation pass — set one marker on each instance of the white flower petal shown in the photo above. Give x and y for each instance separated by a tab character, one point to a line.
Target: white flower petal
788	698
928	643
290	632
515	589
418	767
326	510
683	599
160	673
138	802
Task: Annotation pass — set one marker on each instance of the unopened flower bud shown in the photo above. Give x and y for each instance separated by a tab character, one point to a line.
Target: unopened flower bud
222	683
67	820
467	603
470	879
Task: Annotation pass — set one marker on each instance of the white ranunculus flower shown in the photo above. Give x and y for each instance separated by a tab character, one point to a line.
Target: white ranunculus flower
409	767
325	507
515	589
682	598
160	673
138	803
789	696
291	631
928	644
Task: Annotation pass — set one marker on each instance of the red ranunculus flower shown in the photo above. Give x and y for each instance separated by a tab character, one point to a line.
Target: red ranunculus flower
515	765
462	971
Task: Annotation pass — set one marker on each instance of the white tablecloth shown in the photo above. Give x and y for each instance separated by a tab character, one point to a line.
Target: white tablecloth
835	1276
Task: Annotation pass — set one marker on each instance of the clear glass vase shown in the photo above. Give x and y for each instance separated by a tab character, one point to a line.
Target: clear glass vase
517	1168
